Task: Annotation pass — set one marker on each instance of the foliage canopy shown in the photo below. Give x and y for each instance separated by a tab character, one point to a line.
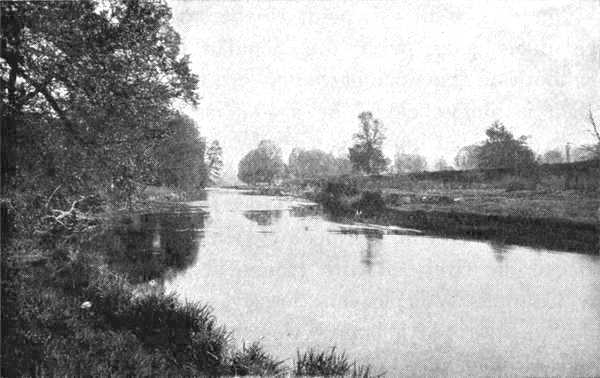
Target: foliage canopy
503	150
262	165
366	154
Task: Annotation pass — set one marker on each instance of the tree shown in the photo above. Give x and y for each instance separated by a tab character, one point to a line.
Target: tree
466	158
582	153
312	163
179	156
593	149
502	150
409	163
366	154
261	165
89	84
214	161
553	157
442	165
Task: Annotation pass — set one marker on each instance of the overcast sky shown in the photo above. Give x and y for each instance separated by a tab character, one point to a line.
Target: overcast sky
436	74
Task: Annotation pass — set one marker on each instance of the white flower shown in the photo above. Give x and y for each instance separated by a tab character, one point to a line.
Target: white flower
152	283
86	305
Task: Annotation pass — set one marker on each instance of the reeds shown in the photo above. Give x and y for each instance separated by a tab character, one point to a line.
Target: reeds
330	364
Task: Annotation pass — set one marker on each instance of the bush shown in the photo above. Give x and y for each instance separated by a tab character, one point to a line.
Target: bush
370	203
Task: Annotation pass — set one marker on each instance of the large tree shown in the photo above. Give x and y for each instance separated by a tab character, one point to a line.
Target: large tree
366	155
503	150
88	85
214	161
179	156
313	163
261	165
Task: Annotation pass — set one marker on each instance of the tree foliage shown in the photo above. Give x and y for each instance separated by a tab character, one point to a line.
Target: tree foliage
315	163
87	88
442	165
262	165
466	158
366	154
179	156
552	157
409	163
503	150
214	161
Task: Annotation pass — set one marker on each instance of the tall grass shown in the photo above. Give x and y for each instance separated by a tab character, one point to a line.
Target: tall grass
73	316
253	360
330	364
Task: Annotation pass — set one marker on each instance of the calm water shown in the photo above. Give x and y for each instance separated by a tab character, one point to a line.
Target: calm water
405	303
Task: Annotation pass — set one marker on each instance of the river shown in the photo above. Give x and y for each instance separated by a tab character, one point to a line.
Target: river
280	272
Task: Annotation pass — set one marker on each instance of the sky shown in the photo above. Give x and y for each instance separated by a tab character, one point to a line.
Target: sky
436	73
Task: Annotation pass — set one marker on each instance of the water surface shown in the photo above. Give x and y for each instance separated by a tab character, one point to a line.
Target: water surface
406	303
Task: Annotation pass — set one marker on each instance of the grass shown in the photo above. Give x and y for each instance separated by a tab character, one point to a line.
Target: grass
72	316
315	363
569	205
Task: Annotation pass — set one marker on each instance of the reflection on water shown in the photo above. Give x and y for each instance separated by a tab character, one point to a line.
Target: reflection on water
310	210
373	242
263	217
499	250
409	304
151	247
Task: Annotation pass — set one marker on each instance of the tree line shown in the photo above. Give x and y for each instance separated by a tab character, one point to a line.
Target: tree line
500	149
87	100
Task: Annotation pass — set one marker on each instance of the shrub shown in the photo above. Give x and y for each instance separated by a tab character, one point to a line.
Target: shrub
370	203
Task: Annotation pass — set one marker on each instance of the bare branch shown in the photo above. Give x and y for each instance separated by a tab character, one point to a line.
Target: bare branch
52	195
595	131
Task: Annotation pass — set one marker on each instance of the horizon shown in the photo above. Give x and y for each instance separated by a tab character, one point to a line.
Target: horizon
436	74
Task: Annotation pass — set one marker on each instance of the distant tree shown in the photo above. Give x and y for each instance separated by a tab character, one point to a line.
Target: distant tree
343	166
466	158
582	153
261	165
442	165
312	163
214	161
553	157
366	155
409	163
593	149
502	150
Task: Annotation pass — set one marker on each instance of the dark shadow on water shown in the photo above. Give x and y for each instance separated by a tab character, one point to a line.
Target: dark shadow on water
368	232
263	217
369	255
306	211
152	246
499	249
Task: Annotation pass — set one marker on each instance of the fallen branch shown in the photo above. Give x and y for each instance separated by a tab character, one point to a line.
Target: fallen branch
52	195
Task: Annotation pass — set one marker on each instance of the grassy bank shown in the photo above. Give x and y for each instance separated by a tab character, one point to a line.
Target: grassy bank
561	220
67	312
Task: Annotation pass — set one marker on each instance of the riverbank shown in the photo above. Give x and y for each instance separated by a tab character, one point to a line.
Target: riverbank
562	219
80	299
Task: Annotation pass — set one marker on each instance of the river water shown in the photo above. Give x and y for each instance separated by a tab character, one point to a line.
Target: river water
281	273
